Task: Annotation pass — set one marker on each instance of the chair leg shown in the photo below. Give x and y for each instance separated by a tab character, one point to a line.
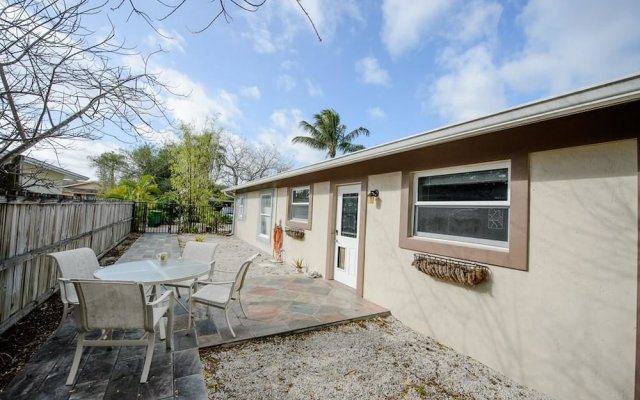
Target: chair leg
151	340
191	307
229	323
65	311
177	292
169	328
241	306
76	360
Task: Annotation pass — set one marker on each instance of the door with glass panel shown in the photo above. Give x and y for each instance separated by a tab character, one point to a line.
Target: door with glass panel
345	268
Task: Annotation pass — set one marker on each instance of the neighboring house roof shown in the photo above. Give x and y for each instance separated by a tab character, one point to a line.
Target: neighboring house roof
67	174
82	185
619	91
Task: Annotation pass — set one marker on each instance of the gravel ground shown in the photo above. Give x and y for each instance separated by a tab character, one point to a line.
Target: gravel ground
375	359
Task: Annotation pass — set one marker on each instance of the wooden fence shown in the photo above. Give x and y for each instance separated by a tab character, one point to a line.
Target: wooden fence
28	231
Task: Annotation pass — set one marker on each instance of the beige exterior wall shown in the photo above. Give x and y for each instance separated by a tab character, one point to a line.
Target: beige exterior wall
312	249
567	327
39	177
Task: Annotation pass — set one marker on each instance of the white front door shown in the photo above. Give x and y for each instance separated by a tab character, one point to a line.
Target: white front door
345	266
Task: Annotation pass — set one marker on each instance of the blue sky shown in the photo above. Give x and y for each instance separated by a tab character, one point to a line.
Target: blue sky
396	67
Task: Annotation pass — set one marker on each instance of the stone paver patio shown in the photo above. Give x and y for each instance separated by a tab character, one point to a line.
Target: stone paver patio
277	301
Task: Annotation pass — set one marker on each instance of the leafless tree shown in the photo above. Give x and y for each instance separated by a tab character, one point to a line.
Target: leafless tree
59	80
220	9
243	161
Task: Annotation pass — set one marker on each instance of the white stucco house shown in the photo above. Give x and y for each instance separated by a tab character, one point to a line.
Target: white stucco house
544	196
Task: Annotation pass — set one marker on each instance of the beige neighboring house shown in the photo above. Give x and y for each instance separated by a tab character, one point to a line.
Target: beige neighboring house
545	195
81	190
40	177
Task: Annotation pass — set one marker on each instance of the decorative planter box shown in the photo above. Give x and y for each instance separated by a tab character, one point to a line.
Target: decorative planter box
294	233
462	272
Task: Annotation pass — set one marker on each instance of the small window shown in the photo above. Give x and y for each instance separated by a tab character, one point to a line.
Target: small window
299	206
240	207
469	204
264	222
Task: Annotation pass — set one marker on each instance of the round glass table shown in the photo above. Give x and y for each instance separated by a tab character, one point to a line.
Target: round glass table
153	272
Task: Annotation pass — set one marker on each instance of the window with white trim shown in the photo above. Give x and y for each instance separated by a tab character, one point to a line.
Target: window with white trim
264	218
466	204
299	204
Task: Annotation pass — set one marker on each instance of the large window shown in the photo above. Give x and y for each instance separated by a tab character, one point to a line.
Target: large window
264	221
468	204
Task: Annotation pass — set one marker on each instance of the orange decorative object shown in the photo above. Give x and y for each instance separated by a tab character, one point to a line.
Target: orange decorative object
277	243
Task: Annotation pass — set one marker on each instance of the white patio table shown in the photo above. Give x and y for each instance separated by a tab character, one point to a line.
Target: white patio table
154	272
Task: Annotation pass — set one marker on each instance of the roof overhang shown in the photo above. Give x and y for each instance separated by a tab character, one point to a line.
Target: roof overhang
595	97
66	173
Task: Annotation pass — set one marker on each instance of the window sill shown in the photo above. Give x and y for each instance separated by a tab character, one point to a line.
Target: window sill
292	223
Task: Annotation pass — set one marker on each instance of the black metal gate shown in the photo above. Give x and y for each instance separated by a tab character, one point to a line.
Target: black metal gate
178	218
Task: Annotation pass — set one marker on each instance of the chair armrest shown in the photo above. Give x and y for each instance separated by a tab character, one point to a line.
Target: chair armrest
211	283
164	297
63	289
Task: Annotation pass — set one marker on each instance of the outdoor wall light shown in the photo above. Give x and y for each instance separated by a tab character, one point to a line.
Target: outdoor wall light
372	196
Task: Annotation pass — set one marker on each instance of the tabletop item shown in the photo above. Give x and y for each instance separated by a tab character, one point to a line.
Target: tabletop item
163	257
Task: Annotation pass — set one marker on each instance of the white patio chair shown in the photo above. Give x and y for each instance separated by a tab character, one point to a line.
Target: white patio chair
109	305
203	252
77	264
221	294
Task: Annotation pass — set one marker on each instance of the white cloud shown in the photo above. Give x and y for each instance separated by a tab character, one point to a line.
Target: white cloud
376	113
600	43
196	106
313	89
570	44
475	20
166	40
472	87
252	92
287	65
285	127
405	22
263	43
73	154
369	71
285	82
277	26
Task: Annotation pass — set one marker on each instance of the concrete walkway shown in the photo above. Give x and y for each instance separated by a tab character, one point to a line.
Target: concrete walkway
276	298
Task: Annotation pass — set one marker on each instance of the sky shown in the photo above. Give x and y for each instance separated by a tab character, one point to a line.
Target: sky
395	67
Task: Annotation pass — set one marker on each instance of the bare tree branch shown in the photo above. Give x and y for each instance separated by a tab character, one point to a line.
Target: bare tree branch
58	80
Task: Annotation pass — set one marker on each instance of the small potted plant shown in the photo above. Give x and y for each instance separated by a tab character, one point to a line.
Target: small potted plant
299	264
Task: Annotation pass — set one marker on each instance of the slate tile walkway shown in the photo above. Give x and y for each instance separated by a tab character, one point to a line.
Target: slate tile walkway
276	299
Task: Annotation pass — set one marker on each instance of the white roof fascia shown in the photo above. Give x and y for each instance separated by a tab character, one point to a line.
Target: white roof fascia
604	95
67	174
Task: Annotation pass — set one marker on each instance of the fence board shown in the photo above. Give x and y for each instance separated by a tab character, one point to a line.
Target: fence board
29	231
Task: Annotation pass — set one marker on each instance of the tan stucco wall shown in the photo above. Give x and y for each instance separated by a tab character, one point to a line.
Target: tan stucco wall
312	249
246	229
567	327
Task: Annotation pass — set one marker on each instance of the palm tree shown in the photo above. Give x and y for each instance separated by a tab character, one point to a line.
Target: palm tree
328	133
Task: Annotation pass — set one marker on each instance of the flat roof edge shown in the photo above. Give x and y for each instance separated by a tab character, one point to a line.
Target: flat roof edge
608	94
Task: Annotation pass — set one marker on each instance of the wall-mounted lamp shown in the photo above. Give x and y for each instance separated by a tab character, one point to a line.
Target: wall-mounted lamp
372	196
